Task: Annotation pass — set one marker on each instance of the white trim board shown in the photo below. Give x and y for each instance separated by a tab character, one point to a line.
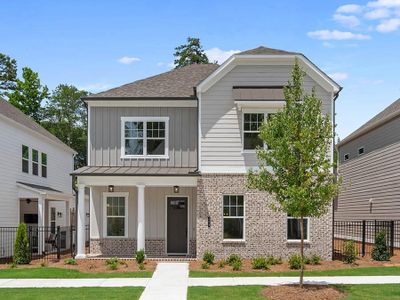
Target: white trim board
162	181
142	103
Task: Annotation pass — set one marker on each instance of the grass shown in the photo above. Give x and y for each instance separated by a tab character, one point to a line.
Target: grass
370	271
72	293
67	273
354	292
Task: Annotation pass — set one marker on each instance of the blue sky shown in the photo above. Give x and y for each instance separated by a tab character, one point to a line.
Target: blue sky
97	45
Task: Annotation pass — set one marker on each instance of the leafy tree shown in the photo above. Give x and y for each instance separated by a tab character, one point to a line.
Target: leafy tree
21	246
190	53
29	94
8	74
64	115
296	167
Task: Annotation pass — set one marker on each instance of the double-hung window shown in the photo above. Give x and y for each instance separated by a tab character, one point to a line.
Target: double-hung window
44	164
115	214
25	159
233	217
144	137
293	229
35	162
252	122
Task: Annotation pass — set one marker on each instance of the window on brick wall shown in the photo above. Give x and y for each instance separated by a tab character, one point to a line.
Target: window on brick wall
293	229
233	217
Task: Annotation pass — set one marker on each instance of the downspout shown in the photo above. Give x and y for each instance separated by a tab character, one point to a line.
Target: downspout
198	130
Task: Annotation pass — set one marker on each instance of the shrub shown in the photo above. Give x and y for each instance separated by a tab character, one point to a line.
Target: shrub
21	246
112	263
209	257
315	259
236	265
140	256
221	263
273	261
349	252
307	260
232	259
205	265
43	264
295	262
113	266
259	263
380	251
70	261
141	267
13	265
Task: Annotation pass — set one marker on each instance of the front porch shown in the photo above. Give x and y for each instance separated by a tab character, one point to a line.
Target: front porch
156	214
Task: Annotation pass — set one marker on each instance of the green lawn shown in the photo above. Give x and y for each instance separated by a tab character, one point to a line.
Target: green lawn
86	293
370	271
354	292
66	273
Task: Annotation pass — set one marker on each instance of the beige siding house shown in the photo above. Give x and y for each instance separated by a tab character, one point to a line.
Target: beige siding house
370	167
168	157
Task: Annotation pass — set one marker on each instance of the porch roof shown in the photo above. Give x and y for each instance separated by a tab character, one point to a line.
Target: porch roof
134	171
30	190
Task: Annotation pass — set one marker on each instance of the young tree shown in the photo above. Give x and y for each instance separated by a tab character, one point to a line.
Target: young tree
190	53
8	74
297	168
29	94
21	246
64	115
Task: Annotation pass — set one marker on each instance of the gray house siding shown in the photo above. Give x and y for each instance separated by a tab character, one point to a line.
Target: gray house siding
375	176
379	137
105	136
221	120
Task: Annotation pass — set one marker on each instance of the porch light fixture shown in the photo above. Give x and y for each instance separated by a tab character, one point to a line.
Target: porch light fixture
28	201
176	189
111	188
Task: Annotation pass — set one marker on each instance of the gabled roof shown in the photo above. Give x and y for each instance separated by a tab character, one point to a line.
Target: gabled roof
265	51
11	112
174	84
390	112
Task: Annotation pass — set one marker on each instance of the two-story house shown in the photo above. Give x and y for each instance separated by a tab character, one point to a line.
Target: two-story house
369	163
168	156
35	181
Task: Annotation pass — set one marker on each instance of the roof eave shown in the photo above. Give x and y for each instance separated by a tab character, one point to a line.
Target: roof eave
106	98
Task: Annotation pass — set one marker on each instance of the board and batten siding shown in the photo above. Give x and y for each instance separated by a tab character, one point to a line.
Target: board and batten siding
374	176
382	136
221	120
105	136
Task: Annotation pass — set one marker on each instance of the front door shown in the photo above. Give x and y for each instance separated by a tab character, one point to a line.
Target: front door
177	223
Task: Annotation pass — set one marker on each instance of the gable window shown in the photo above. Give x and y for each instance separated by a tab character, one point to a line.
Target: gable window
25	159
361	151
44	164
144	137
35	162
115	214
233	206
293	228
252	122
346	156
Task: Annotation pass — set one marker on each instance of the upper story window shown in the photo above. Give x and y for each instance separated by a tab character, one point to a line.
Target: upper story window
25	159
144	137
251	129
361	151
233	217
35	162
44	164
346	156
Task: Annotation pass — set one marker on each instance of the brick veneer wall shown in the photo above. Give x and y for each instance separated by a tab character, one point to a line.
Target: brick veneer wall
265	229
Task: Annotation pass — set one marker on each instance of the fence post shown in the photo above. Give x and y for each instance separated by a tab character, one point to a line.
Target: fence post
391	238
58	242
363	238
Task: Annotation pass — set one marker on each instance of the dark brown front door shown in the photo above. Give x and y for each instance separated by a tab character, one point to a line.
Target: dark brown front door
177	223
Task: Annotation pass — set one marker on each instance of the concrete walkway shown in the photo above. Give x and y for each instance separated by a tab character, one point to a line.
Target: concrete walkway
169	281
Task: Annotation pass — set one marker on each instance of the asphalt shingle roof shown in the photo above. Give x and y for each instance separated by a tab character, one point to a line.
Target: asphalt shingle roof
265	51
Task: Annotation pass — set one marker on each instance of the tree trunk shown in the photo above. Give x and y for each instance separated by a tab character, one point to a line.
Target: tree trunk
302	251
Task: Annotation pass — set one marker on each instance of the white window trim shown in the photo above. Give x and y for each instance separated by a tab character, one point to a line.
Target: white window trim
26	159
298	240
234	217
126	217
43	165
36	162
344	157
145	120
358	151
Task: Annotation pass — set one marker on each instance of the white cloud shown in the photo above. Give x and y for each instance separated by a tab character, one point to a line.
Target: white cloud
348	21
337	35
349	8
95	87
164	64
328	45
339	76
126	60
384	3
379	13
219	55
388	25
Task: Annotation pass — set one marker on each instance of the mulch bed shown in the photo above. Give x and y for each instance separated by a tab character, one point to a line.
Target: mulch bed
308	292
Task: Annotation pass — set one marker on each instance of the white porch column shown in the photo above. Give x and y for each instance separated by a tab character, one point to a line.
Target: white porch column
80	228
140	218
41	223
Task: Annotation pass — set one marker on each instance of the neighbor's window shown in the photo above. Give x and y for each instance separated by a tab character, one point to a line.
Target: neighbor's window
346	156
293	228
44	164
115	216
233	217
25	159
251	130
145	137
35	162
361	151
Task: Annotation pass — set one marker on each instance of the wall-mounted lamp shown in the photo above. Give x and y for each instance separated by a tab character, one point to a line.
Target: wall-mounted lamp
59	214
176	189
28	201
370	201
111	188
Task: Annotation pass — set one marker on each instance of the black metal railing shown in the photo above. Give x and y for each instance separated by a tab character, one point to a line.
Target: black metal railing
363	234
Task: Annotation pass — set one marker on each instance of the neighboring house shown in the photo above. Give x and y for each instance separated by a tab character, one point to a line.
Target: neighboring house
168	156
35	181
369	163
